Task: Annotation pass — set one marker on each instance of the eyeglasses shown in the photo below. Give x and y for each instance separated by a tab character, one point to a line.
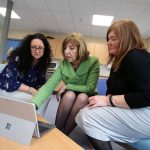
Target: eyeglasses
40	48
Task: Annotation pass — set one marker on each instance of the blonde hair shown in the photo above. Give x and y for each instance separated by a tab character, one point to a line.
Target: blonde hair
129	39
77	39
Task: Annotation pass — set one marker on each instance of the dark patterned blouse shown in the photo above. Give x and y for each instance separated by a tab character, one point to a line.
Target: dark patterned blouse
11	78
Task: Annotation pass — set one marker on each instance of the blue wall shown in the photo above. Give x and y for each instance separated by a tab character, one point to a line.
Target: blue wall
10	43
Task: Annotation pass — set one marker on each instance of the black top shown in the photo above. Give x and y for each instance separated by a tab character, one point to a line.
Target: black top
132	79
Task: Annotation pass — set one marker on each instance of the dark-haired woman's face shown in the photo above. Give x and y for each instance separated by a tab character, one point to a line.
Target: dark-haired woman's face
113	43
37	48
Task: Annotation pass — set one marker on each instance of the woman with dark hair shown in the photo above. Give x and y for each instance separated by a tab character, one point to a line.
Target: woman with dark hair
26	69
80	73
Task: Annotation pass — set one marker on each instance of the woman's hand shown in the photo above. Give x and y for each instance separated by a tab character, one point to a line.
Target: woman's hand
98	101
60	91
32	91
27	89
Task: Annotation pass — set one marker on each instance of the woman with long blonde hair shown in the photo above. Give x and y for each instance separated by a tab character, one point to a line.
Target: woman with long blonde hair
123	115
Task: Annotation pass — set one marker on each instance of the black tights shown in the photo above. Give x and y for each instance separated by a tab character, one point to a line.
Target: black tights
100	145
68	108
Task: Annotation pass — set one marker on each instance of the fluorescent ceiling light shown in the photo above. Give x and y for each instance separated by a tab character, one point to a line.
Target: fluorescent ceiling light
13	14
102	20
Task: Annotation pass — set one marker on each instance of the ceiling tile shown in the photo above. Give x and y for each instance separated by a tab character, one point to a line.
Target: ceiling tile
43	15
82	6
145	14
3	3
20	4
82	18
106	7
58	5
131	9
139	1
83	29
51	27
62	16
36	4
25	14
66	28
65	16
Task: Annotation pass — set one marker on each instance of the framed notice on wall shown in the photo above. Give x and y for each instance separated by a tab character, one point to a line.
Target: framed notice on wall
11	44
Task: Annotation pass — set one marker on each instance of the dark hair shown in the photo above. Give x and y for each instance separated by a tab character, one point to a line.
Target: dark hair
23	51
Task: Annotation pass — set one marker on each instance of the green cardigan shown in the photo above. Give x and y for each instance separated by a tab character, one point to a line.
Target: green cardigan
84	79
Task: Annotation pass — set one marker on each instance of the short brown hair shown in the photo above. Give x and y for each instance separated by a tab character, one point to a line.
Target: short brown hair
78	39
129	39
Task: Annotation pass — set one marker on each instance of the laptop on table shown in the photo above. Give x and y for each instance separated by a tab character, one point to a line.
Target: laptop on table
18	121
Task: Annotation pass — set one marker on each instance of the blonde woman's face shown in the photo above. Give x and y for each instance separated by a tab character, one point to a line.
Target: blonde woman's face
71	52
113	43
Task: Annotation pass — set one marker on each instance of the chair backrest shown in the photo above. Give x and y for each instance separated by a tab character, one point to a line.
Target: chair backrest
142	144
101	86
